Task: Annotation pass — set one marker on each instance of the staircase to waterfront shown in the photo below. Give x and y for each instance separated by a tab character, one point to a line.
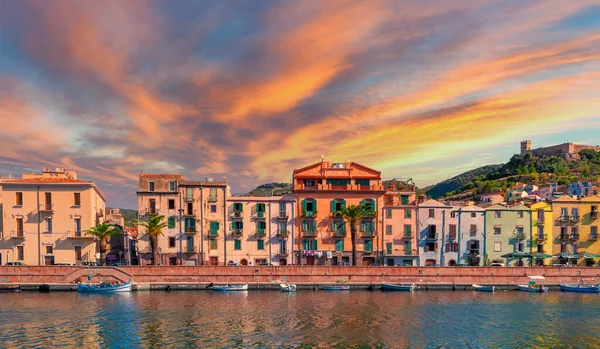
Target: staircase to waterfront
99	274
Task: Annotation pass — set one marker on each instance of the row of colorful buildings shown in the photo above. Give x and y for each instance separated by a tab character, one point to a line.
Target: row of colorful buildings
44	217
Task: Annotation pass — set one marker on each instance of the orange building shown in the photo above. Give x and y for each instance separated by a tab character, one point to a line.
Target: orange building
323	237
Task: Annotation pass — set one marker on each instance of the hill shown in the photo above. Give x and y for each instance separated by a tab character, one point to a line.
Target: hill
271	189
129	215
457	182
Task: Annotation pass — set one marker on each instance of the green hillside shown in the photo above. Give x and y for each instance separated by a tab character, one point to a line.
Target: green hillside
457	182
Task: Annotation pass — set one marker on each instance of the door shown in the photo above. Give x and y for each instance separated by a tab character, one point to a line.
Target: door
283	261
390	262
310	260
367	261
214	261
172	260
48	260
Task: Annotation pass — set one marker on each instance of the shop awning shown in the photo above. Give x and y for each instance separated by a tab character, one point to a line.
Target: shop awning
568	255
591	255
541	255
516	255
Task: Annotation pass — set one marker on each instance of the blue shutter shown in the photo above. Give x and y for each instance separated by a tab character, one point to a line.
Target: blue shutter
343	203
333	202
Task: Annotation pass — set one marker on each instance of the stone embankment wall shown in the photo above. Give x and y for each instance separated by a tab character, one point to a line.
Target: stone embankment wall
298	274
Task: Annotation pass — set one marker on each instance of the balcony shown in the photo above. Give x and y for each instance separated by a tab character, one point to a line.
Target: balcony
340	233
541	237
574	219
520	236
540	222
336	214
309	214
236	215
212	234
237	233
451	236
282	254
593	237
282	234
260	232
563	219
564	237
473	232
212	198
594	215
190	249
188	198
282	216
407	235
309	233
48	208
18	234
432	237
474	251
575	236
259	215
367	233
189	230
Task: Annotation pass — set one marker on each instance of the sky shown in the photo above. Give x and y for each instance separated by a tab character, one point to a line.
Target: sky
251	90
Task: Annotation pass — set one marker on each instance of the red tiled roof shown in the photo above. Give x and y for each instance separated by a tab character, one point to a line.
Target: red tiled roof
151	175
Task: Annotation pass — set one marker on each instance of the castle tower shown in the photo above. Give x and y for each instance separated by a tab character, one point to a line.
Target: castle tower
525	147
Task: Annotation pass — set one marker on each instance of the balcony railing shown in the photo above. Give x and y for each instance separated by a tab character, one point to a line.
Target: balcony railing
339	233
594	214
472	232
236	214
237	233
212	234
407	235
283	233
18	234
260	232
593	237
189	230
564	237
367	233
309	214
563	218
541	237
452	236
260	215
520	236
188	198
282	254
190	249
574	219
309	233
473	251
46	207
282	216
212	198
574	236
431	237
375	187
336	214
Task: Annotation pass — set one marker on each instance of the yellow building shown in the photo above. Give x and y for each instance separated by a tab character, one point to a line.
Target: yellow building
575	233
541	231
44	217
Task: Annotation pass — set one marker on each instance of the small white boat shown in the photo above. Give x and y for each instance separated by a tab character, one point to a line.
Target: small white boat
532	286
580	288
483	288
392	287
243	287
288	287
336	288
104	287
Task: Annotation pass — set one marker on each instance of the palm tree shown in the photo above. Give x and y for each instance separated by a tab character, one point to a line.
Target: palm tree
103	232
353	214
154	227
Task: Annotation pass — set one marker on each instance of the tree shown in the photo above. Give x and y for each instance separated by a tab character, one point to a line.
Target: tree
154	226
353	214
103	232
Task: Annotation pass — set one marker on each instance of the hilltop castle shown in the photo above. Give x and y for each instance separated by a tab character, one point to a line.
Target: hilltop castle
568	151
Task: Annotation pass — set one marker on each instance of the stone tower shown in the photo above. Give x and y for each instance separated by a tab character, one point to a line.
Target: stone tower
525	146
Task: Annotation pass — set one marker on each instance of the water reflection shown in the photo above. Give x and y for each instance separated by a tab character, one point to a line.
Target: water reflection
303	319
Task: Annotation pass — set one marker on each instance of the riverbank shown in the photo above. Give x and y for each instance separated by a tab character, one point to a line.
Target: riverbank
306	277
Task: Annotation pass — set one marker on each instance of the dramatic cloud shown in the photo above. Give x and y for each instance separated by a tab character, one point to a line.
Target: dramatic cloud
251	90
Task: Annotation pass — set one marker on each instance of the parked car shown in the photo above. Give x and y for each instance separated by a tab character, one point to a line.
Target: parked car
497	265
344	264
234	264
15	263
266	264
90	264
376	265
64	264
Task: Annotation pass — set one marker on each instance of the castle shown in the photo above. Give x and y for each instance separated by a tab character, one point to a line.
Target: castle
568	151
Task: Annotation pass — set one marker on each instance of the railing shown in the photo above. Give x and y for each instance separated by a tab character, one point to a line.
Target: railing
473	232
283	233
473	251
564	237
188	198
236	214
407	235
188	230
282	254
212	234
575	236
18	234
452	236
541	237
520	236
336	214
593	237
367	233
309	214
340	233
563	218
310	233
574	219
260	232
594	214
260	214
282	215
46	207
237	232
431	236
190	249
212	198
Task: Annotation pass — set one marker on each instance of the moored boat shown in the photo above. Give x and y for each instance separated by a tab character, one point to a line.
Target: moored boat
288	287
532	286
104	287
10	288
483	288
336	288
392	287
580	287
242	287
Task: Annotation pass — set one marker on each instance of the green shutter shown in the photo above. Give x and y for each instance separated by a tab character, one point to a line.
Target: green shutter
237	244
260	244
363	226
333	226
374	206
304	243
315	245
362	202
368	245
217	224
343	203
171	222
333	206
304	205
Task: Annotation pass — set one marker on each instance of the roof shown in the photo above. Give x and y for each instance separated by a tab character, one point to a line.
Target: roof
152	175
565	198
432	204
519	207
260	198
497	208
45	180
593	198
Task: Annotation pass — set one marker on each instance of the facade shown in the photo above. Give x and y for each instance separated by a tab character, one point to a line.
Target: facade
45	217
196	217
579	189
491	199
508	235
541	225
465	240
116	253
547	191
575	230
323	237
400	227
432	221
260	230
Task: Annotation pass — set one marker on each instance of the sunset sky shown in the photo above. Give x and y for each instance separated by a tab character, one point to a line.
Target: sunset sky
251	90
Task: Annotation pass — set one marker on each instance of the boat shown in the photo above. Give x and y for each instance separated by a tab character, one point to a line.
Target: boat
104	287
392	287
580	287
336	288
532	286
10	288
288	287
224	288
483	288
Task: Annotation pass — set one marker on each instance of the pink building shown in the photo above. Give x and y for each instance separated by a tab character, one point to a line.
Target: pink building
400	226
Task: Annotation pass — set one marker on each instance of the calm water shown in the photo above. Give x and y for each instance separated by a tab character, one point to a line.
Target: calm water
268	319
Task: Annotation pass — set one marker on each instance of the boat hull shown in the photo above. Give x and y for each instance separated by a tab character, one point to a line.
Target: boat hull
390	287
10	288
527	288
580	288
288	287
483	288
336	288
98	288
226	288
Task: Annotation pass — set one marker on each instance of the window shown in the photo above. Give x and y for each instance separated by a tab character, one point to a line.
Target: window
473	215
367	226
520	230
151	186
282	247
388	213
594	232
407	213
309	183
212	244
497	230
48	225
431	213
190	244
171	222
214	228
575	212
20	227
189	194
171	241
339	245
453	214
540	230
430	246
172	186
407	230
282	209
520	247
20	252
432	232
451	246
407	248
190	208
452	230
260	208
19	199
171	204
48	201
77	253
540	214
49	249
309	244
237	245
76	199
497	246
338	182
520	214
388	248
574	230
190	225
152	204
368	245
237	225
563	248
238	207
260	244
498	214
363	182
404	199
261	227
369	205
564	212
212	195
78	226
388	229
213	208
473	230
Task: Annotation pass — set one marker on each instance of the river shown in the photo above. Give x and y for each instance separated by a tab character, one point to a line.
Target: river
270	319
